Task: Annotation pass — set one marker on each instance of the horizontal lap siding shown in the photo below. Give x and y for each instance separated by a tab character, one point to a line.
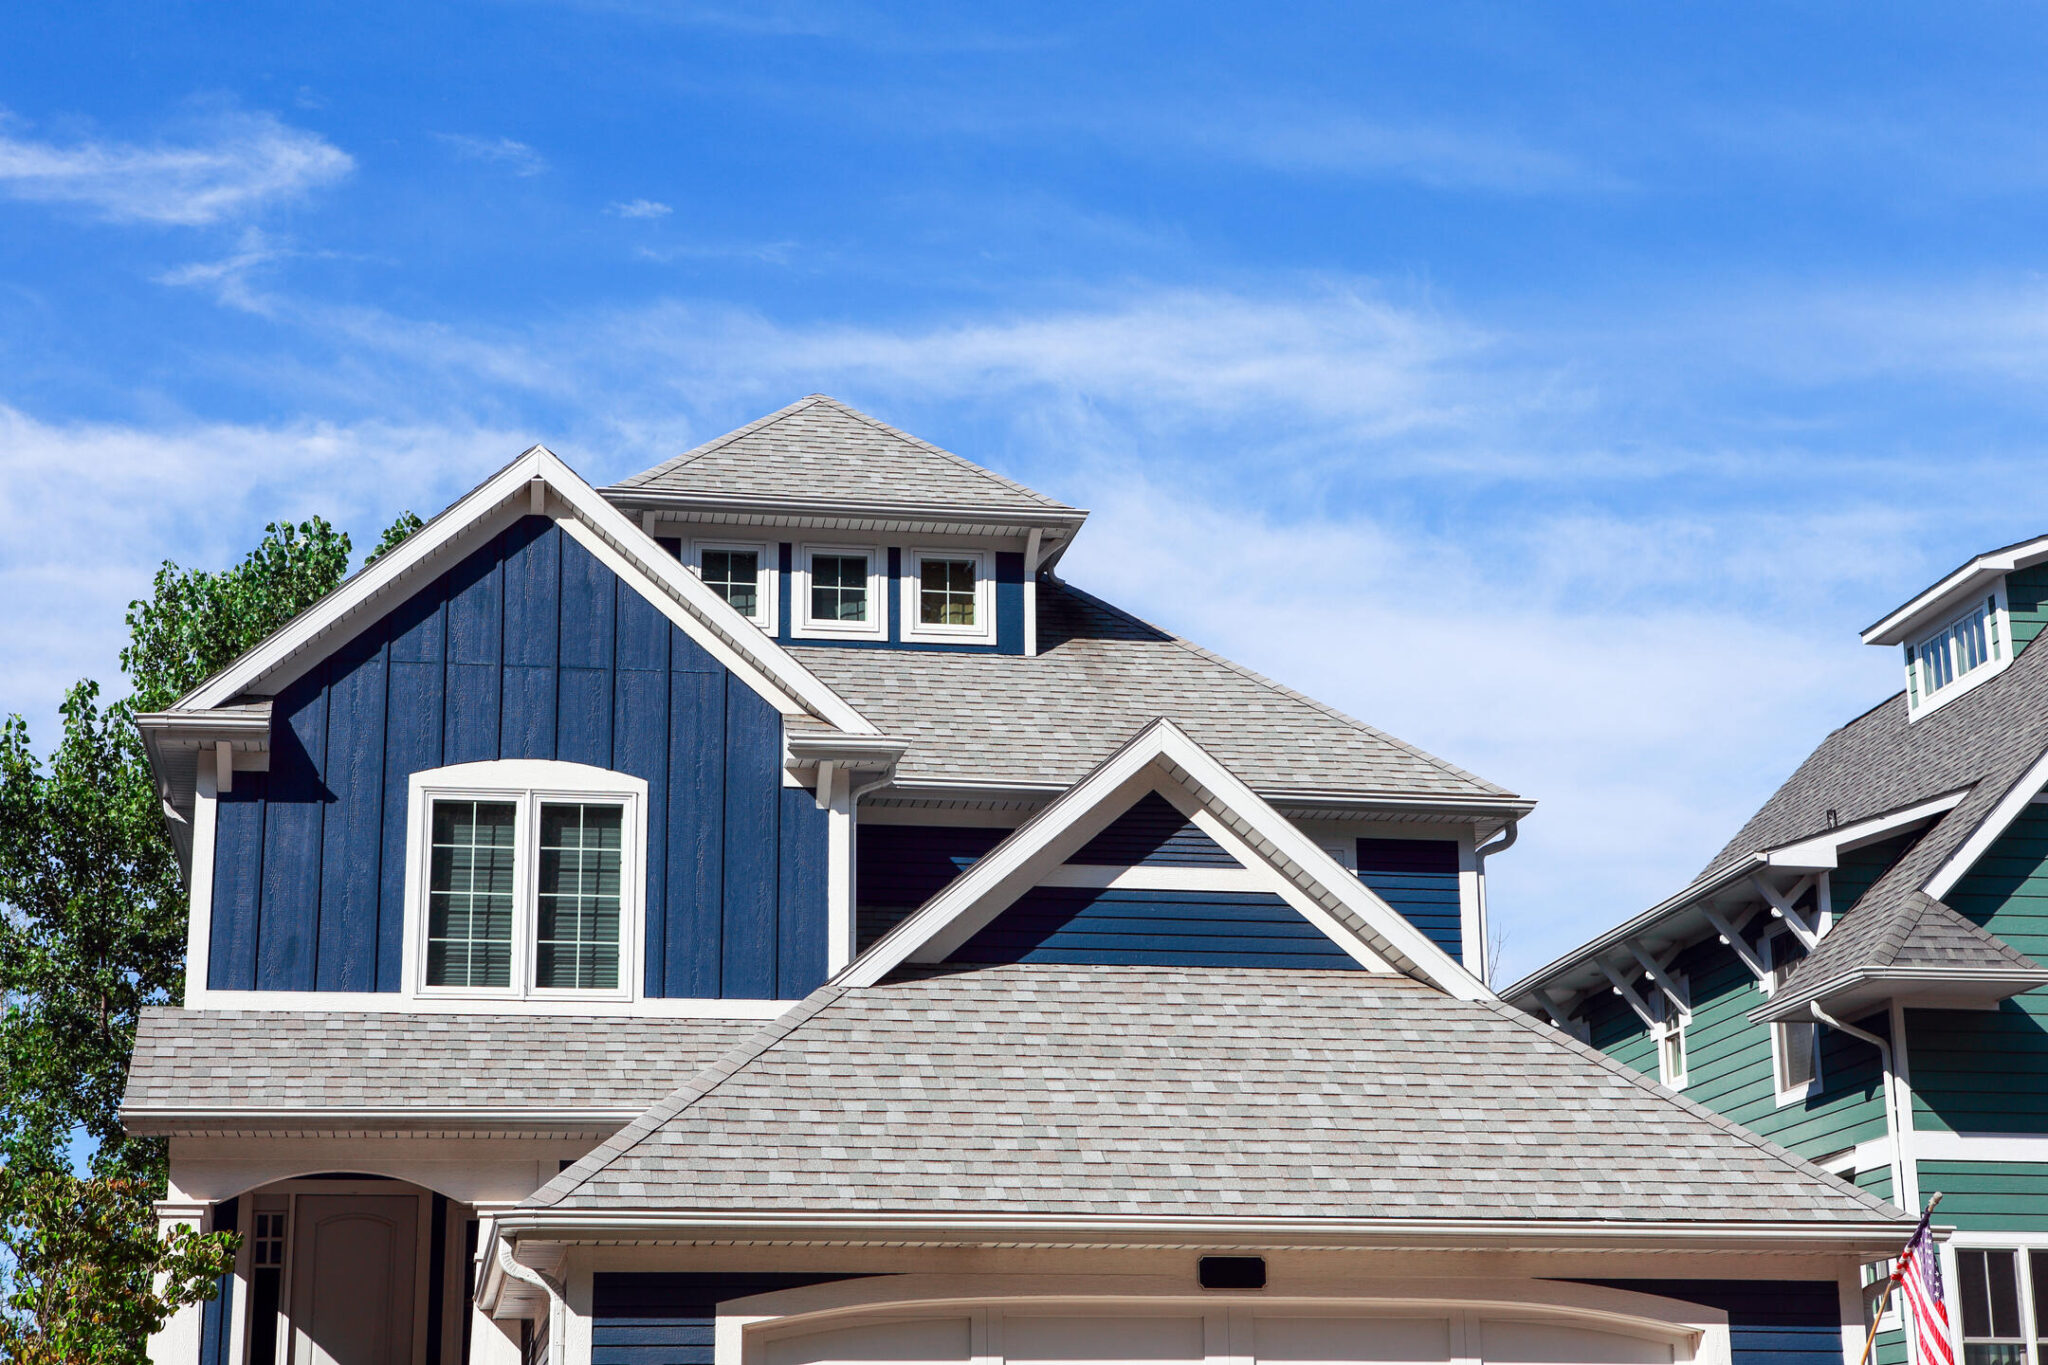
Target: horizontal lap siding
2026	599
1153	928
671	1319
2007	1195
1770	1322
529	648
1153	834
1987	1070
1729	1059
1419	879
903	866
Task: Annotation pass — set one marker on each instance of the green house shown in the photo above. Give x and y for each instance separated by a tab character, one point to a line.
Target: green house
1850	975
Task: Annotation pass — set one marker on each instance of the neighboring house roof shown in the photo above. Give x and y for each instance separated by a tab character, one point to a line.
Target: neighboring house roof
820	451
1121	1092
991	720
351	1068
1987	744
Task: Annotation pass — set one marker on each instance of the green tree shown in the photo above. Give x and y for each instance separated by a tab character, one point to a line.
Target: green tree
92	929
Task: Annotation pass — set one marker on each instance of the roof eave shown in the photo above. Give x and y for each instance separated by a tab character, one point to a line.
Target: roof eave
1920	987
977	515
1895	626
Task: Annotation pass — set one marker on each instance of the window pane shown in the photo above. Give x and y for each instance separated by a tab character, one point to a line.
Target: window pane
576	943
735	575
839	587
469	894
1795	1054
946	594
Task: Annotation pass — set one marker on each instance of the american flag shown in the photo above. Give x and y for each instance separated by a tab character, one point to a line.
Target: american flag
1919	1277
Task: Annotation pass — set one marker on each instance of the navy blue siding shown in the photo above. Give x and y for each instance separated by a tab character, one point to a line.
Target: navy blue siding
1009	602
1152	833
1153	928
900	867
669	1318
1770	1322
894	591
529	648
1419	878
213	1314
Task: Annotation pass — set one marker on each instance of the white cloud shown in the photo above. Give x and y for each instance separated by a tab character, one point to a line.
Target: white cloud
1340	143
232	277
516	157
640	208
236	165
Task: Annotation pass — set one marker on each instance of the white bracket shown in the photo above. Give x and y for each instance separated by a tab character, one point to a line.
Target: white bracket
223	766
1782	907
1680	998
1731	934
537	496
1628	993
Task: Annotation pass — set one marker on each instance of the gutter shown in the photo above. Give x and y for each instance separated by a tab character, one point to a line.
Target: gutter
1788	1003
1505	842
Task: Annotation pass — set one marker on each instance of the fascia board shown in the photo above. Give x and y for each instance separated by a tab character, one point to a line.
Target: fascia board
1980	572
1996	983
422	551
1994	824
535	1225
972	515
1825	850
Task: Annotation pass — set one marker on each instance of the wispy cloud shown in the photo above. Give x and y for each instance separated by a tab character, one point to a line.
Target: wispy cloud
231	278
639	208
233	165
504	152
1343	143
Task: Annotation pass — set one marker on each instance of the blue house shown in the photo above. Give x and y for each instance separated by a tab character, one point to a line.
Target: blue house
760	912
1850	975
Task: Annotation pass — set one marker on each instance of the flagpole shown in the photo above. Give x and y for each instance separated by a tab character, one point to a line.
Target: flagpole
1884	1301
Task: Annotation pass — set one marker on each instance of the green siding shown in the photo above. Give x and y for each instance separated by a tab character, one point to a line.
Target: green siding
1861	867
1729	1059
1987	1070
2026	599
1989	1194
1877	1180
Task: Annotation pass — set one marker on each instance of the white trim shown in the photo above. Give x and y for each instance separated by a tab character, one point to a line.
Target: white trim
1906	1194
199	880
835	794
767	576
801	624
2030	1148
1920	702
1957	587
1159	878
983	632
1994	824
1823	851
1162	757
1032	549
683	596
526	783
396	1002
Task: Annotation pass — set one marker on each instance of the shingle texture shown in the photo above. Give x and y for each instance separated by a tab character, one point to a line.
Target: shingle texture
1099	677
363	1060
1194	1092
1983	741
820	450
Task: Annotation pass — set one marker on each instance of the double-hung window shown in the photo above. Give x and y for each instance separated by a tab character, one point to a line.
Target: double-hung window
948	596
2004	1316
1795	1044
528	886
1669	1032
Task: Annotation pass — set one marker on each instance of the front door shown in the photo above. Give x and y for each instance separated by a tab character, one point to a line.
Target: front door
352	1279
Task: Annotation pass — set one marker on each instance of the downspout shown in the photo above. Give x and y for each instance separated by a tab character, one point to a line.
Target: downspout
1900	1195
1479	856
528	1275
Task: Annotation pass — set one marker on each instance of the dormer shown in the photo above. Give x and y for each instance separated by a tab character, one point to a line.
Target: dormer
1967	628
824	526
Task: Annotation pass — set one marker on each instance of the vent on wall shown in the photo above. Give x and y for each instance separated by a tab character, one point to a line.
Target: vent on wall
1233	1272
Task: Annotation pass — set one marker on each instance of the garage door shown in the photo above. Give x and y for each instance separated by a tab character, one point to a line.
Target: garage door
1030	1338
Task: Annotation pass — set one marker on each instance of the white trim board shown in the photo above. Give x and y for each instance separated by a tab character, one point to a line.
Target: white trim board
2029	1148
522	488
1162	758
2016	799
393	1002
1824	851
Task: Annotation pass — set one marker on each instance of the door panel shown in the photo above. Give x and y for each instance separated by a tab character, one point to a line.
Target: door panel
352	1279
934	1339
1337	1341
1551	1343
1099	1340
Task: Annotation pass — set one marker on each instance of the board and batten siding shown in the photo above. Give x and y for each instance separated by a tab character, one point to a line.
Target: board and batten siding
529	648
1728	1059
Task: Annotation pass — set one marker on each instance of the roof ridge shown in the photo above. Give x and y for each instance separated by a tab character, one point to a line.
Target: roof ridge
728	1064
1324	708
698	452
1693	1107
925	445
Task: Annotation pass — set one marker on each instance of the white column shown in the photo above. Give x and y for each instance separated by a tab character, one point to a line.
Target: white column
178	1342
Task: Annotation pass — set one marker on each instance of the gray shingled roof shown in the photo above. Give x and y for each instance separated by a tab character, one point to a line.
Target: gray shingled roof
820	450
371	1061
1185	1091
1917	935
1099	677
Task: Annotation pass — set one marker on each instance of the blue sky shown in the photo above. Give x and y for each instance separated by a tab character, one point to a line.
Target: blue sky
1558	388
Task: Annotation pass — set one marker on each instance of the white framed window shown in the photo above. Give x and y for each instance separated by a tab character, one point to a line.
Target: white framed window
1795	1044
1669	1034
1968	648
949	596
741	572
2001	1292
839	592
524	880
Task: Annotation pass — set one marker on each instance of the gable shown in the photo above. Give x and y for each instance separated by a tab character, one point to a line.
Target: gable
1153	834
528	648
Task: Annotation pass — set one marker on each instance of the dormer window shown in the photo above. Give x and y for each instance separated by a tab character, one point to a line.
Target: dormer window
839	588
1967	648
948	597
839	592
741	574
945	592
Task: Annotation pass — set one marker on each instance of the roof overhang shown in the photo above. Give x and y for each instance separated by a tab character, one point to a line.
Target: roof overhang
422	1121
1976	576
1056	527
180	743
1857	992
859	753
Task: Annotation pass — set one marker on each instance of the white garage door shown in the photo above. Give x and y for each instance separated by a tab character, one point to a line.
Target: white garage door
1030	1338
